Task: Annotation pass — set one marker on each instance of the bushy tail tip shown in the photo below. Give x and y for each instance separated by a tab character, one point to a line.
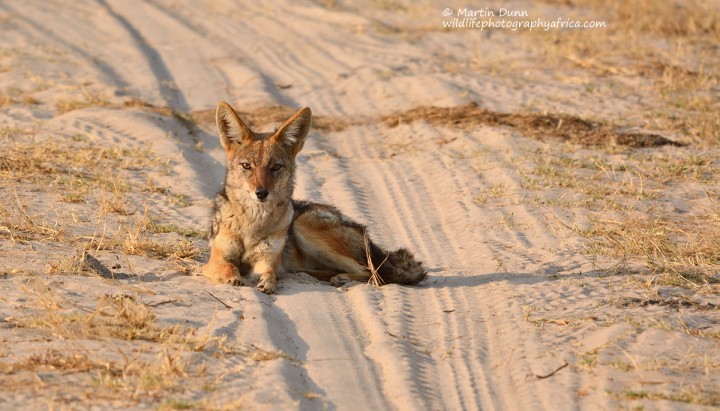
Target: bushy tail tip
401	267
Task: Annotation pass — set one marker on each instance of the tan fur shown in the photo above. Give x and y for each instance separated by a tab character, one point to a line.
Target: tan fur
218	268
259	231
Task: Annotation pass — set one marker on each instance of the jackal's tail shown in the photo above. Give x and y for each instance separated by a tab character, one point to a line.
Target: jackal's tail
398	267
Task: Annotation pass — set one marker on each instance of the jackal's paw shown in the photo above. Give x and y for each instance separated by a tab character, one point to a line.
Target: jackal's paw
224	273
266	284
340	280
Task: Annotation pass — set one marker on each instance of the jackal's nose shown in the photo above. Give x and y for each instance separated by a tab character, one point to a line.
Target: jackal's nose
261	193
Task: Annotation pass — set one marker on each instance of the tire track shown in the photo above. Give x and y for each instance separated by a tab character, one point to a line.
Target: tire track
460	333
398	384
413	340
422	199
515	341
471	366
446	370
356	383
385	218
63	37
173	97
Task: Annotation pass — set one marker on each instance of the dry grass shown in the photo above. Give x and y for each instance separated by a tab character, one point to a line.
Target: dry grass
260	117
174	353
5	101
689	395
591	183
679	252
260	355
102	181
52	360
668	44
541	126
138	242
619	182
257	118
122	317
161	228
143	360
89	100
375	278
17	225
72	162
130	238
177	404
568	128
490	193
118	316
632	198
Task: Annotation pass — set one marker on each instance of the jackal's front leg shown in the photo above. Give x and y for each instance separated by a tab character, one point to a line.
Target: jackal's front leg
268	263
218	268
268	278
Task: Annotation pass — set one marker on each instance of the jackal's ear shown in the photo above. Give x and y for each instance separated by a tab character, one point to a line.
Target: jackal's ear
230	127
293	132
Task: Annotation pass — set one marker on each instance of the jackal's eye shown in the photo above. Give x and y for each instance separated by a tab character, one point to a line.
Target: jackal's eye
276	167
246	166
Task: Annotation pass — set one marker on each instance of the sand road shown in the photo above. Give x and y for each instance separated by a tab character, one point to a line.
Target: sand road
512	315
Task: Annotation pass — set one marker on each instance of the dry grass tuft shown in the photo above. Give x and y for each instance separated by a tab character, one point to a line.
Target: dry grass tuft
375	278
5	101
89	100
162	228
260	355
139	242
97	178
72	162
54	360
118	316
489	193
43	294
259	117
567	128
689	395
154	360
674	249
654	212
114	317
135	103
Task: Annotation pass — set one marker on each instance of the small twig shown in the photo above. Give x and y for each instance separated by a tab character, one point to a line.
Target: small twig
553	372
402	337
155	304
219	300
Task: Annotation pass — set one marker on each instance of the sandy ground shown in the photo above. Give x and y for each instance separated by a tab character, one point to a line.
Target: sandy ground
106	141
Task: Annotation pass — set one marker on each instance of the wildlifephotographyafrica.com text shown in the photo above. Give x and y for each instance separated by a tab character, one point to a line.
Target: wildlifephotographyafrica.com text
511	19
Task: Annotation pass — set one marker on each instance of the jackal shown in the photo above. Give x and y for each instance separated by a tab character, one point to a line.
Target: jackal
258	230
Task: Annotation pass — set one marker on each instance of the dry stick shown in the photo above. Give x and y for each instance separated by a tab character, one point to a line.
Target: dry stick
221	301
541	377
375	277
155	304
